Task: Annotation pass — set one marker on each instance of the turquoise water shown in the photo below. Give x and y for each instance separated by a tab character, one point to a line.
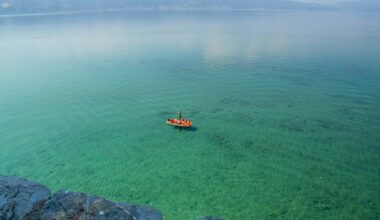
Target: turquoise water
285	108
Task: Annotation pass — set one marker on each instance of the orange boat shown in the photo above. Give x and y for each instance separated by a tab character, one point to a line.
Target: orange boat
184	123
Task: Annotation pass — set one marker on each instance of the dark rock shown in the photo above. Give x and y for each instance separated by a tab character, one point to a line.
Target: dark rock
210	218
71	205
142	212
22	199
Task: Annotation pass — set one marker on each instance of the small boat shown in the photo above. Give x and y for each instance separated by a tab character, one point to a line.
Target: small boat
184	123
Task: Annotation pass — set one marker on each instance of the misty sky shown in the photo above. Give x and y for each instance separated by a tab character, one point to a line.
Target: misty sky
38	6
325	1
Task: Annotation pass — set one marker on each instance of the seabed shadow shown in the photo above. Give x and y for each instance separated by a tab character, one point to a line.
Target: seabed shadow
192	128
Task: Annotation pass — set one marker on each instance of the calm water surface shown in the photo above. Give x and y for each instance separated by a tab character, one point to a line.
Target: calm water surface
285	106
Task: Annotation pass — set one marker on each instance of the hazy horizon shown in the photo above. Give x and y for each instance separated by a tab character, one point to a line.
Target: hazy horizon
36	6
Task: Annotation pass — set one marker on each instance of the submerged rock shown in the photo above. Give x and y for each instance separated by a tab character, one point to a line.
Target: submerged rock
23	199
142	212
210	218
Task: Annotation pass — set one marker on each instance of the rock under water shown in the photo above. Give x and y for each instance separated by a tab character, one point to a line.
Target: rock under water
210	218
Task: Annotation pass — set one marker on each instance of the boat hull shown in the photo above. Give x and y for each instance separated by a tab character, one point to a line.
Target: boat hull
183	123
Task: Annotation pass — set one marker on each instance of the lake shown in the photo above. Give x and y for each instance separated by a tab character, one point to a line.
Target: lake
285	109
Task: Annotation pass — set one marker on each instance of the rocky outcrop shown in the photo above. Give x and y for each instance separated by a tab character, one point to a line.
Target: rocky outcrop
20	199
23	199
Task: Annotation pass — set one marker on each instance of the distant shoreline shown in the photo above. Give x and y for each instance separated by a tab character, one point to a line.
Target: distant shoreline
155	10
174	10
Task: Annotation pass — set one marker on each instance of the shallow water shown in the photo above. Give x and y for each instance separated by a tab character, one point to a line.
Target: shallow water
285	108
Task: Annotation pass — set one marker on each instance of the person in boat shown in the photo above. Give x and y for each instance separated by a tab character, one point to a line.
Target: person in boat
179	115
